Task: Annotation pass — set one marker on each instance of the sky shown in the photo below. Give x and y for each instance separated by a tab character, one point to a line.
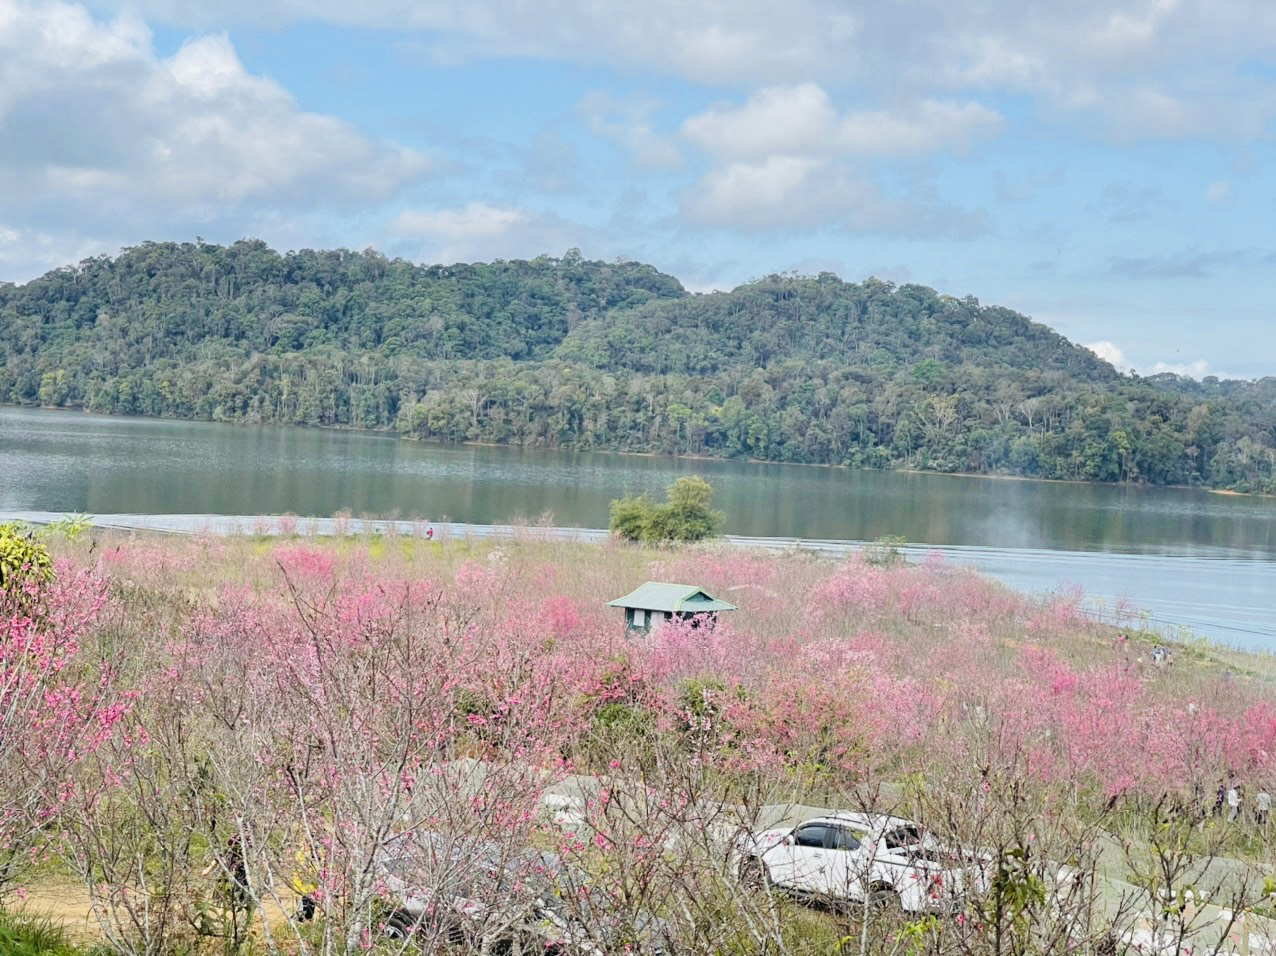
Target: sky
1103	166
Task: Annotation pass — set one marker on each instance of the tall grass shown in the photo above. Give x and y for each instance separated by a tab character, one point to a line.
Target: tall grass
27	933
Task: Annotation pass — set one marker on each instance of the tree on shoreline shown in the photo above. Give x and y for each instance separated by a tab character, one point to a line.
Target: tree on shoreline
686	514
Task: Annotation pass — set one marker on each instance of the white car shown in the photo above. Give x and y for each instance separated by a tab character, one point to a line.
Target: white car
863	857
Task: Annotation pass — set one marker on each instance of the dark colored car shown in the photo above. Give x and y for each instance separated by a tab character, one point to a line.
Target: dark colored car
469	892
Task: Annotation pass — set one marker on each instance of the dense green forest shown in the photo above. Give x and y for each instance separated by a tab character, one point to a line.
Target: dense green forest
570	353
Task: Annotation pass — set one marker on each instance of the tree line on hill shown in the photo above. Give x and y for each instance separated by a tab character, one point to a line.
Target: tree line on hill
577	354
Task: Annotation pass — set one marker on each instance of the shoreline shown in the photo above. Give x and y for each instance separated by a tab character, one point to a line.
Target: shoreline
1244	624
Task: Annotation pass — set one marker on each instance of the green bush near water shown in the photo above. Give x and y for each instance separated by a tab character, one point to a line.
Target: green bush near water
686	514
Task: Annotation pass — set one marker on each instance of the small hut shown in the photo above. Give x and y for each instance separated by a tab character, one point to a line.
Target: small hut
655	602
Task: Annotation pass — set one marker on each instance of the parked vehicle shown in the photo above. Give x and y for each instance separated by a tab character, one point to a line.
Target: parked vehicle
858	857
467	891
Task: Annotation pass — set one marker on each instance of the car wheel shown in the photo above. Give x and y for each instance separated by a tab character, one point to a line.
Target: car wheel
455	935
397	926
753	873
885	900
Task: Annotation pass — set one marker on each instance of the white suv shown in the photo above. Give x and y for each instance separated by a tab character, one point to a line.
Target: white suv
857	857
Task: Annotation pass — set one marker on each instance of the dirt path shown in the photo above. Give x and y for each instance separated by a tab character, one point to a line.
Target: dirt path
68	905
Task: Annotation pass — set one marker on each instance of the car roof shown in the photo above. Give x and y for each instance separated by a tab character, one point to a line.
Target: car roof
455	848
876	822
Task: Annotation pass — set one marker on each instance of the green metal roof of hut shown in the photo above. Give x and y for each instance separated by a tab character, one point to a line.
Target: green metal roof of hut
671	599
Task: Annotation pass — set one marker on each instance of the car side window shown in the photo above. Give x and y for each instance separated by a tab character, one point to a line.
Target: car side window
903	837
845	840
811	836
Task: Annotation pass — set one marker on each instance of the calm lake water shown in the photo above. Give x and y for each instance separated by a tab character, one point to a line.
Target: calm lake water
1189	558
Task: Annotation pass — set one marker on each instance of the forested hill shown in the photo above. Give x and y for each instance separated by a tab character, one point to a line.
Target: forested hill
572	353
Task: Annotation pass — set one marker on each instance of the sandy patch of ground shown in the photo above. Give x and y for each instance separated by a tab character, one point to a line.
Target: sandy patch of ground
68	905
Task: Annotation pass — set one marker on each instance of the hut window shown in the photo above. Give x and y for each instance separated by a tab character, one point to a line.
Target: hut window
640	617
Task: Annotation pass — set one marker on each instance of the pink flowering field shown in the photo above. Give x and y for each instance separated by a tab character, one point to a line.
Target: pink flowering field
177	711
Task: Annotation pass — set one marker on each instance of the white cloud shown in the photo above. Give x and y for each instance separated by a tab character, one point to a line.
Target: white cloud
782	162
480	231
776	188
803	119
805	193
1220	191
708	287
928	125
628	124
28	252
1126	68
1158	112
1132	30
1115	356
1110	353
789	119
1200	369
102	136
475	221
1197	370
713	42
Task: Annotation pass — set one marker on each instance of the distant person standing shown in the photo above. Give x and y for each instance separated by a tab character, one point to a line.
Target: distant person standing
1233	802
429	534
305	883
1262	807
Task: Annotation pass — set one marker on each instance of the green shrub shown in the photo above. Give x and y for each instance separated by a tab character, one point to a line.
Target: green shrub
629	517
620	716
885	551
71	527
23	559
686	514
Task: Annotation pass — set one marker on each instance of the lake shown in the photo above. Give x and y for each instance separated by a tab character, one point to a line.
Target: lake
1188	558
